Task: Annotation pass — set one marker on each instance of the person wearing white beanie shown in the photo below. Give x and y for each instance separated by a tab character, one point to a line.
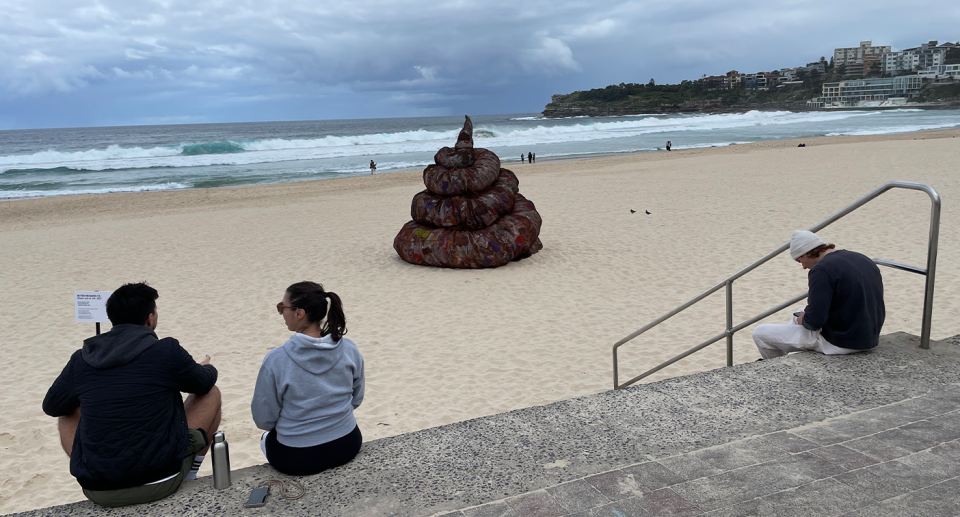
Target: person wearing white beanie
845	309
802	242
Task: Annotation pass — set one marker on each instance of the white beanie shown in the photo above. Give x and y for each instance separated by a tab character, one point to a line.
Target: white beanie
802	242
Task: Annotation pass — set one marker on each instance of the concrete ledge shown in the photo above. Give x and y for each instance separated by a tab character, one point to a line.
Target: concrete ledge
488	459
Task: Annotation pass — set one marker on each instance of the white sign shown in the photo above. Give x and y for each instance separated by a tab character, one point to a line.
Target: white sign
91	306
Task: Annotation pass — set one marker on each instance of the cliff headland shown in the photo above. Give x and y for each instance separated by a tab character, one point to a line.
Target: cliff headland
693	97
570	106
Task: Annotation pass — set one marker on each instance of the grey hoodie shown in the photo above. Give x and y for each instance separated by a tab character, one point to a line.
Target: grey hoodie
307	390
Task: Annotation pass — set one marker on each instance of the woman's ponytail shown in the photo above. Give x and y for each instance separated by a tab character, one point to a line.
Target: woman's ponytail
336	323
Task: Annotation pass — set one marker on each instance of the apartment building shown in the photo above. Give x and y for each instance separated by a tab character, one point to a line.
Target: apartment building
730	81
897	62
788	74
917	58
851	94
819	66
941	72
872	64
852	57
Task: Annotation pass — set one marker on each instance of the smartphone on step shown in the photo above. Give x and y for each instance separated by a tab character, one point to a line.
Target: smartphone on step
257	497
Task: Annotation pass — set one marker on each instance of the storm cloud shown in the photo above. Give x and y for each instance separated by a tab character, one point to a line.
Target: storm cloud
129	62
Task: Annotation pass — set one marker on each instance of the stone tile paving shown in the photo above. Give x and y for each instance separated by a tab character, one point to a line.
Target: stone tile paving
898	459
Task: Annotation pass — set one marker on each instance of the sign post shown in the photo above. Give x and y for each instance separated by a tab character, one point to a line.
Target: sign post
91	306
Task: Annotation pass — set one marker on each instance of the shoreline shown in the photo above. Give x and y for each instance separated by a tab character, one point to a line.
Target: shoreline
14	211
118	189
444	345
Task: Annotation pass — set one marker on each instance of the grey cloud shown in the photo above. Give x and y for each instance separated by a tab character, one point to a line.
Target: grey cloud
422	52
330	43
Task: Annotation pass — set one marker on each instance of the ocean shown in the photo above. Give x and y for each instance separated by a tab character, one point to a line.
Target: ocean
57	162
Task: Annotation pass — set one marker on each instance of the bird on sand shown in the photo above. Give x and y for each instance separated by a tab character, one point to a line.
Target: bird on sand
632	211
647	211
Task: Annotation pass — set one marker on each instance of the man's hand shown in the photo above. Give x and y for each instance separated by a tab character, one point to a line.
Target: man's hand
206	361
799	321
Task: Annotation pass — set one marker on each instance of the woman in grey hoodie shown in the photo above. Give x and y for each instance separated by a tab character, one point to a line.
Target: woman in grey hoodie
308	388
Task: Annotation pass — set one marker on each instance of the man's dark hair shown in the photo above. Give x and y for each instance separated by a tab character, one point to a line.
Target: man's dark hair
816	252
132	303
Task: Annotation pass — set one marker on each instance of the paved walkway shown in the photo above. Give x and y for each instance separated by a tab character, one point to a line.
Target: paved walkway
898	459
867	432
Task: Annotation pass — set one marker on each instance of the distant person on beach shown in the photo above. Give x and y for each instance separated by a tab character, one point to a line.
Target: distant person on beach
530	157
845	309
669	145
522	157
308	388
534	158
373	167
130	436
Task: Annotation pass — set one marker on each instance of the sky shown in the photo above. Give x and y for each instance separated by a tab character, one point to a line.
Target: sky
78	63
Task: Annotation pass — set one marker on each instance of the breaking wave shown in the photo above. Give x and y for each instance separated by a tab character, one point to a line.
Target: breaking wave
231	152
241	154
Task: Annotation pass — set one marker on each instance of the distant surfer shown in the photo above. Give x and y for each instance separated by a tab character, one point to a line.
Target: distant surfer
373	167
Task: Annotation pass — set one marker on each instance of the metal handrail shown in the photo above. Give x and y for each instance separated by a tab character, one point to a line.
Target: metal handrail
929	272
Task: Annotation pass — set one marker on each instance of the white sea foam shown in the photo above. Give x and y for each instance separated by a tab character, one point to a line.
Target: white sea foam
431	137
417	142
22	194
94	155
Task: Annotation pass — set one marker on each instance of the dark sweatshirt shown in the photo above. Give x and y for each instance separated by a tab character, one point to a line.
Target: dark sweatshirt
133	429
846	300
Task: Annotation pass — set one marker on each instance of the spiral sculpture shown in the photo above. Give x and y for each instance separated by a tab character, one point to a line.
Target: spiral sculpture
471	215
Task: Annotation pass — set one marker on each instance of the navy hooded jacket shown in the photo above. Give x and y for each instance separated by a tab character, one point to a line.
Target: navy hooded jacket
133	429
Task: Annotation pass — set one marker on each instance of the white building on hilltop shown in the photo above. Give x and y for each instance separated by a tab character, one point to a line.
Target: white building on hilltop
939	72
913	59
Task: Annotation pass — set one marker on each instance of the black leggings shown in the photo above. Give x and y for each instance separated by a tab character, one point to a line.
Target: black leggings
303	461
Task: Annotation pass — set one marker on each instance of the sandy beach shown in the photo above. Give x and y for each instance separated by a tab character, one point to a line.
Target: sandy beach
442	345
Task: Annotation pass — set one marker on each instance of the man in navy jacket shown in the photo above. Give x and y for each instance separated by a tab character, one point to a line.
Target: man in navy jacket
130	436
845	309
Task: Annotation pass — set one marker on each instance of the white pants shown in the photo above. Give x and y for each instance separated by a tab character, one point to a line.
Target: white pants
776	340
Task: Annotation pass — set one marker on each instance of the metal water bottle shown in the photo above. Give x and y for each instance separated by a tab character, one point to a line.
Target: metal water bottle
221	461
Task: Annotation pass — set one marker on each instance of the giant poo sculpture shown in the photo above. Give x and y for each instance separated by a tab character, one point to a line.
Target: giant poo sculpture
470	215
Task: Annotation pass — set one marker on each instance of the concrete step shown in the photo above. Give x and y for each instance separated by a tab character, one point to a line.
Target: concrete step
752	434
897	459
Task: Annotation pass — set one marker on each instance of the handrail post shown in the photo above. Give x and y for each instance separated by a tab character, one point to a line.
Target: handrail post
616	372
931	268
729	322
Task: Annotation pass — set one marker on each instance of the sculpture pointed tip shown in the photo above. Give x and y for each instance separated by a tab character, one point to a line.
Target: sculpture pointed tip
465	140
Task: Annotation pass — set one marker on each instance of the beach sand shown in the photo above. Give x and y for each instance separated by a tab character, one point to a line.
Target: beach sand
443	345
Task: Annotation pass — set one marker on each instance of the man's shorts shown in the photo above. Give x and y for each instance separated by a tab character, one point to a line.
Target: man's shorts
153	491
